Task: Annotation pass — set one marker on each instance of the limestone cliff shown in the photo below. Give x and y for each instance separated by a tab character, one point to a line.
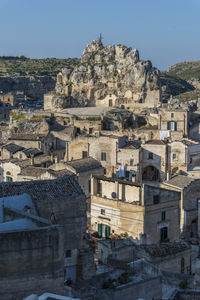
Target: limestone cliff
109	76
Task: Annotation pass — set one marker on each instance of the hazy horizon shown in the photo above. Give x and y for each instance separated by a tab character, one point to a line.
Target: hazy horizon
164	32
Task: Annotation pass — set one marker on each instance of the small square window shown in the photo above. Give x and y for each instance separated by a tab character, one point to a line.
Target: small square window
103	212
156	199
68	253
174	156
150	155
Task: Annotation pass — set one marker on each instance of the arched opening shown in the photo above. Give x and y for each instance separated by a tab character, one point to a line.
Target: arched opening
110	103
8	177
151	173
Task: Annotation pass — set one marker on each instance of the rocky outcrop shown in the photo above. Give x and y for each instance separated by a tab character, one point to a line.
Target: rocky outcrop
110	76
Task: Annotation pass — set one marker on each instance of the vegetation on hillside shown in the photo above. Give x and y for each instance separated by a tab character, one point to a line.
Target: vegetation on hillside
180	81
187	70
21	65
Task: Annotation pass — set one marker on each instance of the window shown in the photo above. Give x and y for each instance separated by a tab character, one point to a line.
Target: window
172	115
174	155
9	179
131	162
99	188
103	212
110	102
164	234
103	156
84	154
163	216
78	130
156	199
20	156
4	116
90	130
172	126
68	253
150	155
190	160
89	186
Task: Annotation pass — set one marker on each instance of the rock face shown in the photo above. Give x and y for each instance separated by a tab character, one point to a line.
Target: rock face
32	86
110	76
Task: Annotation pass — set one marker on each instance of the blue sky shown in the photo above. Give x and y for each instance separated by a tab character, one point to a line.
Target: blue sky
164	31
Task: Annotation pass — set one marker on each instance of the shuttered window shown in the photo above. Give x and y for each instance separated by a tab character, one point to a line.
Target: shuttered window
100	230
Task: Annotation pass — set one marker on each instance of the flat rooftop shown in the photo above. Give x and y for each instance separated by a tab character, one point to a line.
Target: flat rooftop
85	111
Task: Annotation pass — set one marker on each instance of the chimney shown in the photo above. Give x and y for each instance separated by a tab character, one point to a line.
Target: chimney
168	176
32	160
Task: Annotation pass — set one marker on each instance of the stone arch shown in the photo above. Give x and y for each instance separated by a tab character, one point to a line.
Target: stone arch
151	173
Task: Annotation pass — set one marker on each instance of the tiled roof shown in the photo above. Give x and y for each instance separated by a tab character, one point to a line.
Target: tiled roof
33	171
85	164
180	181
13	148
132	145
27	137
165	249
44	193
32	151
156	142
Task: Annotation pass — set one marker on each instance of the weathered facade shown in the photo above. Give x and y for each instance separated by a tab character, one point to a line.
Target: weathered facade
148	213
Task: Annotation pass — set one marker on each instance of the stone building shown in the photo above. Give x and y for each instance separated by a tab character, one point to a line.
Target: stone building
161	159
4	113
103	148
129	161
29	173
60	201
8	99
11	168
171	257
176	121
44	142
141	281
154	160
189	188
149	213
83	168
31	249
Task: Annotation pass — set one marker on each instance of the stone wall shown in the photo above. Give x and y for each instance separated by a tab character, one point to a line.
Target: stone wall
33	255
